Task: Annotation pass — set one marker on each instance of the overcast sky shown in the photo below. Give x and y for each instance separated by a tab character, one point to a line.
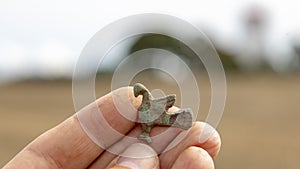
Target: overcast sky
37	36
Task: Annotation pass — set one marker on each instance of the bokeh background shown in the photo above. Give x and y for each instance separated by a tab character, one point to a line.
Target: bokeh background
258	43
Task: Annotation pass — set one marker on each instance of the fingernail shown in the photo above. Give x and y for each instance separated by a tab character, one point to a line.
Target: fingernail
139	156
128	164
206	133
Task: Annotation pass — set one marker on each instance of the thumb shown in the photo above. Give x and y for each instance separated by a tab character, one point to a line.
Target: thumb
137	156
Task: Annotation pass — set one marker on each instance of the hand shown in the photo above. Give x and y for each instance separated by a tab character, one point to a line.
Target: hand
67	146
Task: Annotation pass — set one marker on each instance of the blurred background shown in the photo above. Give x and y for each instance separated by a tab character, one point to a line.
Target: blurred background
258	43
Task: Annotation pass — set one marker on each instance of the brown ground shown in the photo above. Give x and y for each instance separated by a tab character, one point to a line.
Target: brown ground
259	128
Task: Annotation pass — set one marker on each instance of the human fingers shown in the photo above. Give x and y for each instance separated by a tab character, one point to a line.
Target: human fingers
161	138
68	146
200	135
159	142
136	156
169	145
194	158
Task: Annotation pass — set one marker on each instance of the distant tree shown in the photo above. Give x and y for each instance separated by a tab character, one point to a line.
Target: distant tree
182	50
255	23
169	44
296	60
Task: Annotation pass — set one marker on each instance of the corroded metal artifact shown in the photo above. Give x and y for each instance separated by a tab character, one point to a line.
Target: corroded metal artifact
154	112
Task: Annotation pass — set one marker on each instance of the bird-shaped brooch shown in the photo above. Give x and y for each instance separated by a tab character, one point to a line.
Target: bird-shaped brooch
154	112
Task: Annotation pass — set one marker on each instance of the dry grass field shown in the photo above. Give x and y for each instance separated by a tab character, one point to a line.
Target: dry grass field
259	129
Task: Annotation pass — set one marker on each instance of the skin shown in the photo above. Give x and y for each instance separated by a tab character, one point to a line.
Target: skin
67	146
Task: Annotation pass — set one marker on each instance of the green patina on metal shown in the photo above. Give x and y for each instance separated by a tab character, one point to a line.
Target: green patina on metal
154	112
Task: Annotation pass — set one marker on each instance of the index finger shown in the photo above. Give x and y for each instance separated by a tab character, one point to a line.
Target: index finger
68	146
